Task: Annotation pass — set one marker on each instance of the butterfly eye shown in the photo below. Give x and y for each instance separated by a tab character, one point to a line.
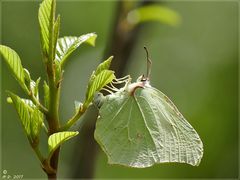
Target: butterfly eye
98	100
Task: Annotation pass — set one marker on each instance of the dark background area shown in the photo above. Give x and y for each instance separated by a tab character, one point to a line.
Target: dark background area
195	64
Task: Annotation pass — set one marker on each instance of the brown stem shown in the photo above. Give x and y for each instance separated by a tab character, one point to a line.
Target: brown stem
52	176
85	149
54	165
120	45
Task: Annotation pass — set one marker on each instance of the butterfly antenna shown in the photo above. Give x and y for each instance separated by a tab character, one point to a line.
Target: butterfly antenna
149	64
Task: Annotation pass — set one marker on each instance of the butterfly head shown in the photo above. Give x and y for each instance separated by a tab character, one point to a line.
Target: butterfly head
144	80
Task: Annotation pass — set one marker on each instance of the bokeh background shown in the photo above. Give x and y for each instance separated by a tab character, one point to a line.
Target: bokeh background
195	64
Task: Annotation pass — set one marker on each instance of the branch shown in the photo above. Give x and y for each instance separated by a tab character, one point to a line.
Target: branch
38	104
74	119
121	43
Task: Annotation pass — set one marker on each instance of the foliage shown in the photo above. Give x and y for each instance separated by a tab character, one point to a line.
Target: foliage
56	139
153	13
55	54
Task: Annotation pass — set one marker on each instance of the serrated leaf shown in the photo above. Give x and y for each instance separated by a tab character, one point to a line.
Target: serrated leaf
99	81
140	126
57	139
46	17
46	94
31	118
14	63
66	45
36	123
154	13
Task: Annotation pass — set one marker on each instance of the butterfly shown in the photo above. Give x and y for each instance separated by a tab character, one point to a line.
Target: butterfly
139	126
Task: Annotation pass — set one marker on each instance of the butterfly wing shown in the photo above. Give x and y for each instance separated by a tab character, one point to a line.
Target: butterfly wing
174	138
144	129
119	131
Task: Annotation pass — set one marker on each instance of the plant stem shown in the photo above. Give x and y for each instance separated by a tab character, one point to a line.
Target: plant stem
38	153
52	176
43	109
53	116
38	104
74	119
54	164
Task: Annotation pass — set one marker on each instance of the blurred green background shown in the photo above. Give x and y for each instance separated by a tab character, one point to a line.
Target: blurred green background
195	64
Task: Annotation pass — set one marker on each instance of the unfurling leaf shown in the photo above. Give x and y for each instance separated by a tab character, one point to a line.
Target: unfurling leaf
31	118
56	28
103	66
139	126
46	18
49	28
46	94
58	71
14	63
27	78
66	45
34	87
57	139
153	13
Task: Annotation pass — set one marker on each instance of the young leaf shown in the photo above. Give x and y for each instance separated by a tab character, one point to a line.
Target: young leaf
56	28
140	126
58	71
153	13
66	45
77	105
56	139
46	19
103	66
14	63
46	94
27	78
31	118
34	87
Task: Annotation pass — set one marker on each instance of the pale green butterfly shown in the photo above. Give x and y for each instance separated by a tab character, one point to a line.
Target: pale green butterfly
139	126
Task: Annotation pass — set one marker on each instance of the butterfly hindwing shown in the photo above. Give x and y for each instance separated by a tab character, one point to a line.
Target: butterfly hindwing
180	142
